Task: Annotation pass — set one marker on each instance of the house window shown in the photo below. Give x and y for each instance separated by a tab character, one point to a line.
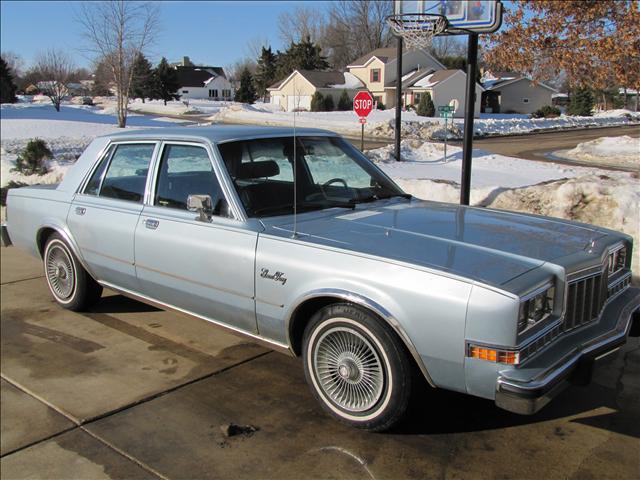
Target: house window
525	100
375	75
185	91
416	98
213	93
226	93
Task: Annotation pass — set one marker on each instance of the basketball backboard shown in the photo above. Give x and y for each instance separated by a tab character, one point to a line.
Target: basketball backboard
463	16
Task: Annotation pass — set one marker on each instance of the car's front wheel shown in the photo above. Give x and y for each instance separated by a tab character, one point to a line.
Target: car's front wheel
70	284
356	367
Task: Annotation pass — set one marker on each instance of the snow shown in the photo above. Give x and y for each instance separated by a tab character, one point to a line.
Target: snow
350	82
424	82
621	151
380	123
620	112
178	107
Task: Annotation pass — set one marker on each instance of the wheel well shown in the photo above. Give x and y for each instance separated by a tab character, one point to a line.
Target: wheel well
301	317
43	236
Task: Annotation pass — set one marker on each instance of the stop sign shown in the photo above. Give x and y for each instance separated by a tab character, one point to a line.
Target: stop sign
363	103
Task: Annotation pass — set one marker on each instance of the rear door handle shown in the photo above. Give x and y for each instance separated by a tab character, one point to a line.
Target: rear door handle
151	224
81	210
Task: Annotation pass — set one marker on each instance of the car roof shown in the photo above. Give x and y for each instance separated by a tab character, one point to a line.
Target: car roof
215	133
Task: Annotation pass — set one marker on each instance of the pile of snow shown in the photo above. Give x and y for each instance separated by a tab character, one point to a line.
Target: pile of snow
380	123
620	112
177	107
624	150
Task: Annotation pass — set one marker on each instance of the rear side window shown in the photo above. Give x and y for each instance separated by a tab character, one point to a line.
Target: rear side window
126	175
93	187
185	170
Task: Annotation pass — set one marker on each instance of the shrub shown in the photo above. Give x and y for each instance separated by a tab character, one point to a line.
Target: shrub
5	190
317	102
425	107
581	102
344	102
32	159
328	103
381	106
548	111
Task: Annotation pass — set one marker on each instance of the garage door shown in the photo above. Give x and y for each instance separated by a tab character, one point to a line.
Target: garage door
301	102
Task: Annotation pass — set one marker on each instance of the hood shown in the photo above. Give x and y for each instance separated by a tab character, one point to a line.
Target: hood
484	245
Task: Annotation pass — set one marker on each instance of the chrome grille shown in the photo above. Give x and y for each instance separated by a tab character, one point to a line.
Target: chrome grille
585	299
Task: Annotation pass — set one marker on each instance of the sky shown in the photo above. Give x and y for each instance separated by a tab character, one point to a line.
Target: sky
213	33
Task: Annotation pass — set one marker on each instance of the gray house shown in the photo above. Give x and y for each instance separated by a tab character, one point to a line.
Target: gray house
509	92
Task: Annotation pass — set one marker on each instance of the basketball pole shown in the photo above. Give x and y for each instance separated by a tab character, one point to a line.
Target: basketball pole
398	96
469	110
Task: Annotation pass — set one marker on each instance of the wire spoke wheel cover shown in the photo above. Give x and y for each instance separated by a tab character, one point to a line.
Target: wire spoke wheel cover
60	272
348	369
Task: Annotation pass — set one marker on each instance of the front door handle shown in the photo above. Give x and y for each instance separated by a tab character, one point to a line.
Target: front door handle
81	210
151	224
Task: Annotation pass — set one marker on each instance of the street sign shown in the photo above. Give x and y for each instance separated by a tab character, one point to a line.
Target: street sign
446	108
363	120
363	104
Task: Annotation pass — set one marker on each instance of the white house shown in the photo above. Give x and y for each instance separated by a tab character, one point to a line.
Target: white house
509	92
202	82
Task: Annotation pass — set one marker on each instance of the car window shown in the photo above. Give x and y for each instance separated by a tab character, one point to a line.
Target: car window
93	186
185	170
326	162
127	172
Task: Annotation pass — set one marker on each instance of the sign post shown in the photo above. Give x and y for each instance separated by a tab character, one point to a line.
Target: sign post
445	111
362	106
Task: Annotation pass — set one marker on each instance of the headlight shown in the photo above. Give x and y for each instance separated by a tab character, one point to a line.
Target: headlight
617	260
535	309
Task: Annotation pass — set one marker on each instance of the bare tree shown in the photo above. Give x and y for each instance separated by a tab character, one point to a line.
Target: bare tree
53	70
253	48
301	23
117	31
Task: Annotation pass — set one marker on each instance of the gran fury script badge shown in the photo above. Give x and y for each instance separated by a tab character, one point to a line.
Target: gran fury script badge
276	277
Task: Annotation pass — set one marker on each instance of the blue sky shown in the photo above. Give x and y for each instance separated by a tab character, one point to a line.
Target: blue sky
208	32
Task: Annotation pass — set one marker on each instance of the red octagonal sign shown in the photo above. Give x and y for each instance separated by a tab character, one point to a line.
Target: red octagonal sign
363	103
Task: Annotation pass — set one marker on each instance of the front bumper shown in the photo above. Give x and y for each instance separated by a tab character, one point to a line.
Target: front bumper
6	241
527	396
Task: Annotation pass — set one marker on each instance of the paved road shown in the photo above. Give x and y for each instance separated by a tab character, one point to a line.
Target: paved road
128	391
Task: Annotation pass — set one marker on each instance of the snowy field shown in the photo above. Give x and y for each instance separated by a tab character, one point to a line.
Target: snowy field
618	151
178	107
609	199
380	123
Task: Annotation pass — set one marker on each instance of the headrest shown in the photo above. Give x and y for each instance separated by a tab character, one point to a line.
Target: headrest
251	170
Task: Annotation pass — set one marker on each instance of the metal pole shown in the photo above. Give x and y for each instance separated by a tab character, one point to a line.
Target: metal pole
398	95
469	109
362	138
446	117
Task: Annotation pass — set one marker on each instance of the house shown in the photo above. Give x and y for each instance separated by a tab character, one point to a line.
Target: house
377	70
202	82
295	91
446	87
509	92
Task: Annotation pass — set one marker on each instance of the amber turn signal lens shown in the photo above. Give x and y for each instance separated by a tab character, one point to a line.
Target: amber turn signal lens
492	355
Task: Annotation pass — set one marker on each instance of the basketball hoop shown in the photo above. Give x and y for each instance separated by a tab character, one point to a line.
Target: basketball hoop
417	29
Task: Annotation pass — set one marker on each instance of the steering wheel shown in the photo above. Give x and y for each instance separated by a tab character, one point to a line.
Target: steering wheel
335	180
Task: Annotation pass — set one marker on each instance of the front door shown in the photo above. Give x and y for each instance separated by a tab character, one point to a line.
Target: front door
206	268
105	213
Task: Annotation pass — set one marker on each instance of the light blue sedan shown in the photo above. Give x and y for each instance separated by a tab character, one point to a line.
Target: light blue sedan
341	267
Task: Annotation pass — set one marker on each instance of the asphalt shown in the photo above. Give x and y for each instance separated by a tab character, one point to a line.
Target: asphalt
129	391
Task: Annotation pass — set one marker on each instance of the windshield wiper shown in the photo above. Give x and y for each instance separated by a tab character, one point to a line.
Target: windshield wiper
374	197
302	206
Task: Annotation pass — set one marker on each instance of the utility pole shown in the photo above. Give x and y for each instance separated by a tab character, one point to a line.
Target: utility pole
398	96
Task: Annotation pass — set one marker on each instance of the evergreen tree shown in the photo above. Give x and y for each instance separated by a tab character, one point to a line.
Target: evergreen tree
304	55
246	93
317	102
266	72
328	103
344	102
142	81
7	87
425	106
581	102
166	81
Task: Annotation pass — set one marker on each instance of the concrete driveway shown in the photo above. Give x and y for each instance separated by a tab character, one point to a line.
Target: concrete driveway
128	391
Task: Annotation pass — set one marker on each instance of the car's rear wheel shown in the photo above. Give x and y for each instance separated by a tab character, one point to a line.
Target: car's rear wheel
356	367
69	283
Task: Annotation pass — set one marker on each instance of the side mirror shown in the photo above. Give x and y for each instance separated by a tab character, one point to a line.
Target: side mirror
202	205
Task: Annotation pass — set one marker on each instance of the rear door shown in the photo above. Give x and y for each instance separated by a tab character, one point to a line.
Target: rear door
105	212
202	267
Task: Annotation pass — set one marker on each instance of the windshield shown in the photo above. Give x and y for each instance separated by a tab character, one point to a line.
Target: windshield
330	173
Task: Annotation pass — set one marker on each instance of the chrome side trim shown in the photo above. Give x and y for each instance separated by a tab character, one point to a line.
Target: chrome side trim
272	344
368	304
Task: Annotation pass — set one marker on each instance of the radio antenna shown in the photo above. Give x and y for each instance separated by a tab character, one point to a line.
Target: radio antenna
296	103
